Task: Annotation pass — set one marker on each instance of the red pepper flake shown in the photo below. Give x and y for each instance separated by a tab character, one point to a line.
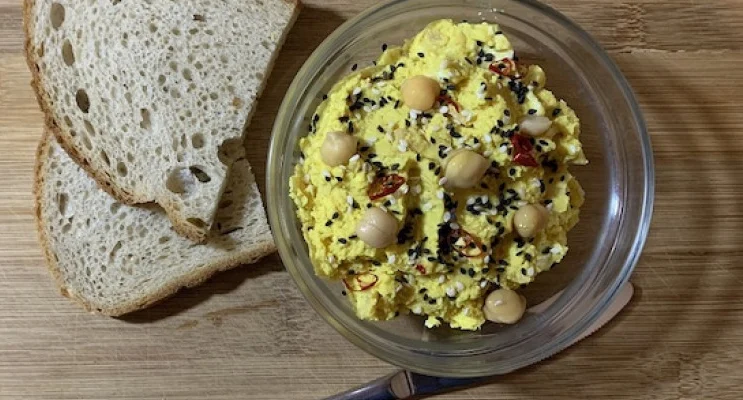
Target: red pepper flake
465	243
445	98
506	67
522	148
363	282
421	269
385	185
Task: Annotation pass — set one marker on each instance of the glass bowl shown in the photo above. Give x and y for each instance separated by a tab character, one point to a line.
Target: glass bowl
604	246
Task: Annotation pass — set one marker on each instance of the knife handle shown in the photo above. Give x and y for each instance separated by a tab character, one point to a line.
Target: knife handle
402	385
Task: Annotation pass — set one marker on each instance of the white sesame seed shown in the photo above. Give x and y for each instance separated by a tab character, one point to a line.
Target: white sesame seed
326	173
411	279
417	189
459	285
484	198
444	109
487	153
466	311
443	181
367	108
402	146
549	206
483	283
435	128
451	292
391	258
486	260
371	141
417	310
426	207
440	194
447	216
356	91
503	149
404	188
357	115
389	138
530	271
376	92
370	179
307	178
557	249
398	288
375	107
382	207
454	226
442	278
425	120
331	259
349	200
487	139
393	201
354	158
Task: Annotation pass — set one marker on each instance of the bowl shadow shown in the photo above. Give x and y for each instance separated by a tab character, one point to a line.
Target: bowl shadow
648	359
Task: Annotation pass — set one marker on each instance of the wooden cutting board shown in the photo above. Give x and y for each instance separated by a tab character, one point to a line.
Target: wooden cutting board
249	334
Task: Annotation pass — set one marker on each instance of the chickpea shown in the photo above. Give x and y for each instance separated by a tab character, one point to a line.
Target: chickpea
420	92
377	228
536	76
504	306
534	125
337	148
530	219
465	168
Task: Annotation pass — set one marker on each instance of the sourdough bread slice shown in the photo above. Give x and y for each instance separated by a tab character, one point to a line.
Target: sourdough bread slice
114	259
149	97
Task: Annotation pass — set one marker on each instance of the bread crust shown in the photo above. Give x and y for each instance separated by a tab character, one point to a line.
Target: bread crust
262	249
182	227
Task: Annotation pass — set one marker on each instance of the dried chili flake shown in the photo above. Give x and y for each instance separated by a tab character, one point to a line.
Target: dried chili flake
385	185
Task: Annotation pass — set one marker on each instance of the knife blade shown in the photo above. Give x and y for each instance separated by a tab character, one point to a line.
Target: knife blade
404	384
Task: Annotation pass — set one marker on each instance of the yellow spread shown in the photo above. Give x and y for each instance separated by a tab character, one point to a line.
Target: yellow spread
480	109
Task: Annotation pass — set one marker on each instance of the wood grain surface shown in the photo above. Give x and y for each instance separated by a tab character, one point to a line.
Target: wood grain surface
249	334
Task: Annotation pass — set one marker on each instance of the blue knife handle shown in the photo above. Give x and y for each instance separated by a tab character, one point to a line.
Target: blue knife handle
403	385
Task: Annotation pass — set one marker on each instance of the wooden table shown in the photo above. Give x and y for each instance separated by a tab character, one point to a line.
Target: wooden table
249	334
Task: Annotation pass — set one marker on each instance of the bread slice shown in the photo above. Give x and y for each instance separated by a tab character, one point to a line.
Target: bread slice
149	97
114	259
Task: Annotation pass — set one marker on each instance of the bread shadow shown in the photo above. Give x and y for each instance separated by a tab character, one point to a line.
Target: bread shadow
220	284
313	25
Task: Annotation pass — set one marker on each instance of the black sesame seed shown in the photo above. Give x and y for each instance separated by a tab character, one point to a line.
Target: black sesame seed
343	240
437	170
523	271
433	140
421	55
353	67
527	257
376	263
471	272
431	165
552	180
479	42
422	290
547	202
468	60
384	46
489	57
500	123
372	155
407	123
368	205
339	179
353	237
325	97
485	270
463	271
432	301
532	111
547	250
344	119
387	203
330	222
499	32
343	292
556	112
327	179
562	178
512	171
417	157
336	215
